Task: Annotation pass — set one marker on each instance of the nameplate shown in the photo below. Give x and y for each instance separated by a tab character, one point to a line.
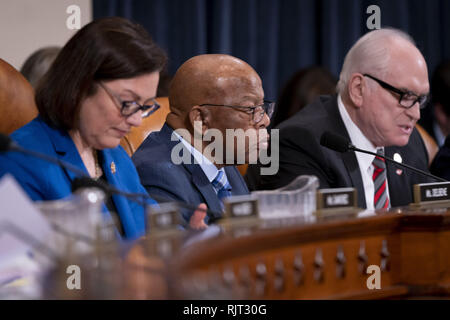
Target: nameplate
336	200
166	217
245	206
432	193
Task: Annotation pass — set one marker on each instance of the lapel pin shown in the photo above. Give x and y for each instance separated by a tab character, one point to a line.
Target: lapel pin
113	167
398	158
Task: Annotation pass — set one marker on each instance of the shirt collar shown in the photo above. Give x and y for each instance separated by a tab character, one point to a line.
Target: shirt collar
207	166
357	138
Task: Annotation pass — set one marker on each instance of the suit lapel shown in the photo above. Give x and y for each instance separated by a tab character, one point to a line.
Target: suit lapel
236	181
199	178
205	187
348	158
65	149
351	163
110	170
397	181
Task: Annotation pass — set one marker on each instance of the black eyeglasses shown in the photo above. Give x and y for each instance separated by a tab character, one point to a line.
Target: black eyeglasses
407	98
257	111
128	108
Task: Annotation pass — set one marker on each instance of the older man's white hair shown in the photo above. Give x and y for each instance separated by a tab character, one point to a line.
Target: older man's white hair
370	54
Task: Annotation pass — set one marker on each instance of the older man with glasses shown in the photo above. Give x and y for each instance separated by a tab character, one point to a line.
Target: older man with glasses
383	85
212	93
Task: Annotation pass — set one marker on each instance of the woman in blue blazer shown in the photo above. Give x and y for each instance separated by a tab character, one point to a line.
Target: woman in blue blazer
102	84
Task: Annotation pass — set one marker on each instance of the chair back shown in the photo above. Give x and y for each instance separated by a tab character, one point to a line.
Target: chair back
137	135
430	143
17	106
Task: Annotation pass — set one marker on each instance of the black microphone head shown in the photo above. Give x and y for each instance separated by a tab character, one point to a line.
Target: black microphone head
335	142
5	142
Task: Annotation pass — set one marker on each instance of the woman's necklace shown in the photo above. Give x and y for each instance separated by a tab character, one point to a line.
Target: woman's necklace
98	168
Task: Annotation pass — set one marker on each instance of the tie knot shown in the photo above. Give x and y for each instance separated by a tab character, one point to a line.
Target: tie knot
380	151
379	162
220	183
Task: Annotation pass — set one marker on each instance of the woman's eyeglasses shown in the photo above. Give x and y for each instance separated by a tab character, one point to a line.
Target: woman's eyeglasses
128	108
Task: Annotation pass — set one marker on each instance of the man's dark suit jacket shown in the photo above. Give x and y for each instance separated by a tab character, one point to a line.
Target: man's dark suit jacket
302	154
441	163
180	182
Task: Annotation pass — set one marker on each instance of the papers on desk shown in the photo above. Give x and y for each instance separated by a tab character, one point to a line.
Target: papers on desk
23	229
20	278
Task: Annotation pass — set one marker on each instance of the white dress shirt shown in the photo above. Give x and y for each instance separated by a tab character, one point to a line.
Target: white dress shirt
359	140
207	166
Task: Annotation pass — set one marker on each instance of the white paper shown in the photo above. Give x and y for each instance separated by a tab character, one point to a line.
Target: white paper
18	216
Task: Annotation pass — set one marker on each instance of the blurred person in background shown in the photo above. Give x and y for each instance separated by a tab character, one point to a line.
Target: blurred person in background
301	89
440	89
438	124
38	63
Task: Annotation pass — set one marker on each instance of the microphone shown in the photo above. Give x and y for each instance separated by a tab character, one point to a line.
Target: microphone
85	181
341	144
7	144
335	142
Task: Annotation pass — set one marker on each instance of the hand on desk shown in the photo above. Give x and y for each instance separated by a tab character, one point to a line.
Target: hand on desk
197	220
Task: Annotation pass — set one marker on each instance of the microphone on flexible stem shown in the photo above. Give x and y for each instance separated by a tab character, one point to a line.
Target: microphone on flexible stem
7	144
85	181
341	144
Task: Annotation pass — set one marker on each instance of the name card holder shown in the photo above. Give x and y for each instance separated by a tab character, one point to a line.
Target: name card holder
431	195
241	211
336	202
164	229
165	218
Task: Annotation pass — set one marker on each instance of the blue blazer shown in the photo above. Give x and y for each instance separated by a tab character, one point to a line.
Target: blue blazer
180	182
46	181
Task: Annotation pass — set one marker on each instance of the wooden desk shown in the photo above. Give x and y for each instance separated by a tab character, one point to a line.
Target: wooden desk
325	259
321	260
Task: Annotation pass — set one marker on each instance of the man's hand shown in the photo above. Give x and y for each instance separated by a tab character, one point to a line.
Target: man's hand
197	219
